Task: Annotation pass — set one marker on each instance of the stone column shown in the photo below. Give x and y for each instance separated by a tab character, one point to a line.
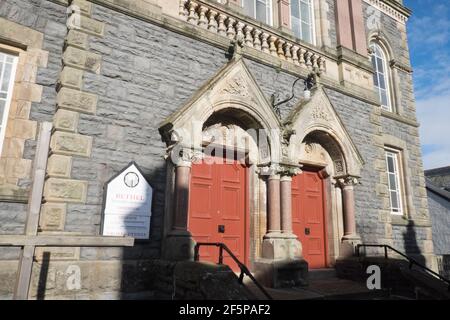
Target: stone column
293	245
182	181
273	247
350	238
179	242
273	206
281	251
286	204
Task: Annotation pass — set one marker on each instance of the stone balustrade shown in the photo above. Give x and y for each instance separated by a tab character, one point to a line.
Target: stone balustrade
212	18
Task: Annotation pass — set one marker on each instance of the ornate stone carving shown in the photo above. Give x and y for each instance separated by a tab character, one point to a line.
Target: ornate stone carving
236	86
289	171
347	181
320	113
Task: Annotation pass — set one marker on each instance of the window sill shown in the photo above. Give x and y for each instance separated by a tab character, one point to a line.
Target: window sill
9	193
402	220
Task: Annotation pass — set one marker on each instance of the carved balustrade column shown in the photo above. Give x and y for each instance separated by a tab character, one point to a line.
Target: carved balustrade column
212	23
230	28
221	28
248	36
256	39
193	16
202	20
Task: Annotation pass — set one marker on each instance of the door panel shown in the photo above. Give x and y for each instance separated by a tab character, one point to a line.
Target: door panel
308	218
218	198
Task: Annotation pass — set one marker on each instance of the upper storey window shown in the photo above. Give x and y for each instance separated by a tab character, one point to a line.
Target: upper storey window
260	10
302	20
381	76
8	65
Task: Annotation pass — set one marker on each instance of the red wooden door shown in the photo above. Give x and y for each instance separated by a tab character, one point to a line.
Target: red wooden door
218	201
308	218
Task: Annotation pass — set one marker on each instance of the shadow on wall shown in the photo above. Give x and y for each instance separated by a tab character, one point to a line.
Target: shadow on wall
136	273
136	277
411	245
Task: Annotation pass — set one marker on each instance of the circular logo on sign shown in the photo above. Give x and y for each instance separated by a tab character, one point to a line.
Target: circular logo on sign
131	179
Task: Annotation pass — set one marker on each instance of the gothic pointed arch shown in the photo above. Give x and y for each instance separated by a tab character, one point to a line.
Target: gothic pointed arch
316	119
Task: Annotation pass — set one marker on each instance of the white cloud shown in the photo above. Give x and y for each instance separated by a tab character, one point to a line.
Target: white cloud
434	117
429	37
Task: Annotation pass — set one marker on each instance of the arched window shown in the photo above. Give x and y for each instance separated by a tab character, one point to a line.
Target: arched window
381	76
302	20
260	10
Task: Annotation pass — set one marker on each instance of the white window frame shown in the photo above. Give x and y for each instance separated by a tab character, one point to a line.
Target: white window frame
312	22
396	156
269	20
9	94
386	74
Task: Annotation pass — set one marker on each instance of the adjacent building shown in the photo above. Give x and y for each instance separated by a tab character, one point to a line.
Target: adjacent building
438	186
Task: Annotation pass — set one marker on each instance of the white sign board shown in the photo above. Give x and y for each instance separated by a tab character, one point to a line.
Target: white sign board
128	206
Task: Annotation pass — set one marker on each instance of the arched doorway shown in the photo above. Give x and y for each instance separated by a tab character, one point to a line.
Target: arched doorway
219	187
233	106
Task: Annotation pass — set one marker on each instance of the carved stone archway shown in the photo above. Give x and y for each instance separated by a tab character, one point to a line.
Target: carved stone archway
230	102
320	139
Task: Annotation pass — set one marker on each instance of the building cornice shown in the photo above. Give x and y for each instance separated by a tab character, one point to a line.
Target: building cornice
399	118
392	8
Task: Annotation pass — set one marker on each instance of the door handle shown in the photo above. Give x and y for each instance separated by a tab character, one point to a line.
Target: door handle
221	228
307	231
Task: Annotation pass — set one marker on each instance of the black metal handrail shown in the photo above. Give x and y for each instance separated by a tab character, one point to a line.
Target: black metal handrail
242	267
411	261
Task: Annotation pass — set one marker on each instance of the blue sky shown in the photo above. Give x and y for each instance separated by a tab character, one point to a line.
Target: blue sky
429	41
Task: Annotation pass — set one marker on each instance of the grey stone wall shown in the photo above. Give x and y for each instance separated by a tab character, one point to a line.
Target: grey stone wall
355	115
440	219
407	236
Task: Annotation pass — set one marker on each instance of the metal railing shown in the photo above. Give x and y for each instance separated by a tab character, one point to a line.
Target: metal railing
411	261
242	267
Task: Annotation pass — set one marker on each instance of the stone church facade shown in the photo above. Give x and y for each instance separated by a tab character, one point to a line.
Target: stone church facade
162	83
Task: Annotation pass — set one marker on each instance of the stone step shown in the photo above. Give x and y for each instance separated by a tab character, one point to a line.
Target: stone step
329	288
319	274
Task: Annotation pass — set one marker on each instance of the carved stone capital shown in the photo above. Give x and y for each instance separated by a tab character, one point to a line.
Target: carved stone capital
183	157
347	181
289	171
